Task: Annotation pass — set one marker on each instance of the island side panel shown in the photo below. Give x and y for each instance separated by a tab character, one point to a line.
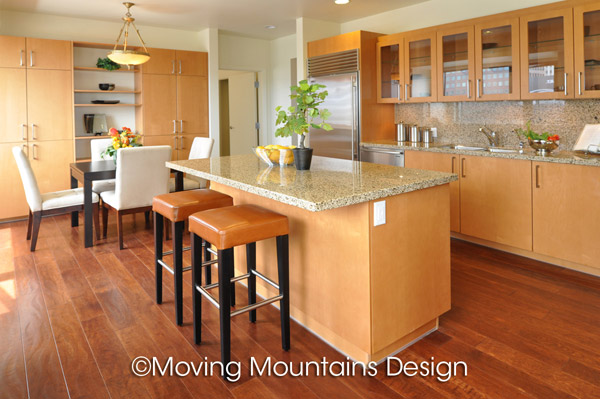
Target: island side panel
410	267
329	270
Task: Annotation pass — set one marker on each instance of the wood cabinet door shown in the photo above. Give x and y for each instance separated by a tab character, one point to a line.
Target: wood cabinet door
390	77
497	60
159	104
12	195
456	64
50	161
566	220
420	67
495	200
171	140
12	52
49	104
13	105
440	163
587	50
192	63
49	54
161	62
547	55
185	145
192	105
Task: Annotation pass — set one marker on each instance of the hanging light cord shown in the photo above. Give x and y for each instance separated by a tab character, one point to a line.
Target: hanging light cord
128	21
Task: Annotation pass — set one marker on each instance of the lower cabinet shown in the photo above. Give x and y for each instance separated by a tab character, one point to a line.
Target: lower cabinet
12	197
440	163
495	200
181	143
566	216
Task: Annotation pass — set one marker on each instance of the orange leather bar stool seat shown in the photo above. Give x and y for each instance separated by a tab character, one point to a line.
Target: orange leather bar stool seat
177	207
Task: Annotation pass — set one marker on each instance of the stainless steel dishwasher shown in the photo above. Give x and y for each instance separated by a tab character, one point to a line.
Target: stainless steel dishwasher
386	156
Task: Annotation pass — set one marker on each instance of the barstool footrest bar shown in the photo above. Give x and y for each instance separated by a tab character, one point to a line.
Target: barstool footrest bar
233	280
256	305
185	269
265	279
212	251
163	264
207	295
171	251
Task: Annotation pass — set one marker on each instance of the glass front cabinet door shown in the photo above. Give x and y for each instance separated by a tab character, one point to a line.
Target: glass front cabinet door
547	55
420	68
456	61
389	75
587	50
497	60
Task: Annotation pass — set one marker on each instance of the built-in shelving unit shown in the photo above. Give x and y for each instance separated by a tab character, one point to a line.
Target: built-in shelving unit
108	91
108	105
95	69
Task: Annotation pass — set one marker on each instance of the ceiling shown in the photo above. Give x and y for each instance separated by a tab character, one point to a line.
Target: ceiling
244	17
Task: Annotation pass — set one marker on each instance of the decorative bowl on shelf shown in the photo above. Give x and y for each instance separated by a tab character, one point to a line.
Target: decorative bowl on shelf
106	101
276	155
544	147
106	86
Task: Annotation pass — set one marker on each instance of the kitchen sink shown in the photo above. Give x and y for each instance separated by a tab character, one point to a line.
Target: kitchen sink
502	150
468	148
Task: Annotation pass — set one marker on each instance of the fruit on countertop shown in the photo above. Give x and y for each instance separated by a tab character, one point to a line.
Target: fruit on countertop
276	154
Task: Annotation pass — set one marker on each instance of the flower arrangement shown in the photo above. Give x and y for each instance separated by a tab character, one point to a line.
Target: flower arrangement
121	139
531	135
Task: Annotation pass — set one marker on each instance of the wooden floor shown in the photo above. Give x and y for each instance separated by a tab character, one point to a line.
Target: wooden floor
72	320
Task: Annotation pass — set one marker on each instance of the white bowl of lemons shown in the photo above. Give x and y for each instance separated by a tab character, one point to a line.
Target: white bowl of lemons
274	154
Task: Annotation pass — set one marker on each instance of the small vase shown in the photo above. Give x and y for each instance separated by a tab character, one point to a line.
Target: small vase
302	158
114	158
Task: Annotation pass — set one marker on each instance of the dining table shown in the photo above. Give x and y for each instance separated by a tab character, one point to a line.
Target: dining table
88	171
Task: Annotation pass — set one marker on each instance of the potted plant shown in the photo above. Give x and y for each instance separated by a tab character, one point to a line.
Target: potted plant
299	118
121	139
543	143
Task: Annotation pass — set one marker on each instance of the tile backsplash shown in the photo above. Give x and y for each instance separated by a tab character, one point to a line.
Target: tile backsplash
460	122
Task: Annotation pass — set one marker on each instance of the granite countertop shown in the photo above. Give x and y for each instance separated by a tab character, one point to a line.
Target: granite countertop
557	156
330	183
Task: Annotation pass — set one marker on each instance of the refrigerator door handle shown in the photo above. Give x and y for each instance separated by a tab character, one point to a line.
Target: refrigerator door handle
354	130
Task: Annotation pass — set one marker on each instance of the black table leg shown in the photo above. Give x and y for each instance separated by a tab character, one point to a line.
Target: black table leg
87	210
178	180
74	215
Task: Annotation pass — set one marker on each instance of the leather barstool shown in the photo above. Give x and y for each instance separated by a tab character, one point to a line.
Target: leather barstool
226	228
177	207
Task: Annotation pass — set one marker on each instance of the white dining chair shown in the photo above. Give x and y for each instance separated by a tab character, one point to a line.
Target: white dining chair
201	148
48	204
141	175
97	147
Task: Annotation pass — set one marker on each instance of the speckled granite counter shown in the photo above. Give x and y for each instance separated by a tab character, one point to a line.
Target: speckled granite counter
331	183
560	156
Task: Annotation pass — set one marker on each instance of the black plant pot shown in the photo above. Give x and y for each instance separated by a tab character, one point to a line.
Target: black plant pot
302	158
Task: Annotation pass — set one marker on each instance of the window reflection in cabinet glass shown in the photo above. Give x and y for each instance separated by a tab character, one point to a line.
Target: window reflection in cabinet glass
390	71
497	60
591	50
456	64
546	55
419	53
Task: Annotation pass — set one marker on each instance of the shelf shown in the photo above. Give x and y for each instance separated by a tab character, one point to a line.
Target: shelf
496	48
108	91
546	42
108	105
83	159
103	70
91	137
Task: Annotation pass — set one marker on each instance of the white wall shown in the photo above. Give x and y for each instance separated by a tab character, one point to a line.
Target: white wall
434	12
308	30
282	51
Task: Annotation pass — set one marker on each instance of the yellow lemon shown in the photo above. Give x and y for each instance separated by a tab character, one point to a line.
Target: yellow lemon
274	155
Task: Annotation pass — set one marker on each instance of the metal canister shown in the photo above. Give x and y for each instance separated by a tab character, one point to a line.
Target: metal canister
415	134
426	135
401	131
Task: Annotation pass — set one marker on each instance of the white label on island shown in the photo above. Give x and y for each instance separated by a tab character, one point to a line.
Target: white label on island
379	213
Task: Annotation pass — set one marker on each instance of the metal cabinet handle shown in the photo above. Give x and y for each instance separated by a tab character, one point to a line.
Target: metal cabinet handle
463	167
173	67
180	67
537	176
31	58
399	91
566	89
181	142
174	126
23	134
181	126
478	88
579	82
34	146
453	159
33	131
406	96
24	146
21	63
175	142
468	88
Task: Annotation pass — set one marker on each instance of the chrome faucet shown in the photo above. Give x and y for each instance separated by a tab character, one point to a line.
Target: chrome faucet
491	136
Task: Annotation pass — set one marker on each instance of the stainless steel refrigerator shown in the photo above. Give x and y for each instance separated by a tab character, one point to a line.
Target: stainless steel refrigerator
339	73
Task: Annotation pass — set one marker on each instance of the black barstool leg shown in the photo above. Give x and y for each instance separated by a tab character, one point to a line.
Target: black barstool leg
251	266
178	269
225	267
283	266
158	254
231	275
207	257
197	282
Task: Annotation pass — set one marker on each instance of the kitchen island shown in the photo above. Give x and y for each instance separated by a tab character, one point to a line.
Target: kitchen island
367	290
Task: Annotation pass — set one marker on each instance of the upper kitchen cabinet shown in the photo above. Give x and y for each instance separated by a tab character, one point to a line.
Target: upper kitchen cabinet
547	55
12	52
49	54
497	60
420	67
390	77
456	64
587	50
176	62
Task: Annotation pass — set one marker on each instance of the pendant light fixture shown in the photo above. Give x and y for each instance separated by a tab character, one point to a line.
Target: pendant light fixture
128	56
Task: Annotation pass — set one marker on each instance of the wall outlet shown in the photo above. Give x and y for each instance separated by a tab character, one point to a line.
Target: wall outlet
379	213
434	132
